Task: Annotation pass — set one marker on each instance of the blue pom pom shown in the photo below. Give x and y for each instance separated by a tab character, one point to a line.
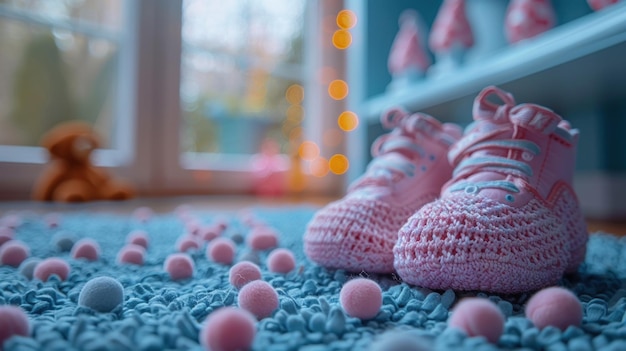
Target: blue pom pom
102	294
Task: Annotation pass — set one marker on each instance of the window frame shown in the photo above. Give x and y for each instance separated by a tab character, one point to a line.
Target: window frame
20	166
190	173
149	113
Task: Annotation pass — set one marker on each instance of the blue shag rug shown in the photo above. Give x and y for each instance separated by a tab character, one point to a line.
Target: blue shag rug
160	314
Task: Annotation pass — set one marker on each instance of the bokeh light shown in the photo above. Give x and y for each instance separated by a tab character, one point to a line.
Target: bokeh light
346	19
295	113
319	167
295	134
348	121
332	137
338	89
295	94
342	39
309	150
338	164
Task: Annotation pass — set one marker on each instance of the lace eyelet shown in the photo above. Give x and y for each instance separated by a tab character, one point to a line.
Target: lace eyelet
471	189
527	156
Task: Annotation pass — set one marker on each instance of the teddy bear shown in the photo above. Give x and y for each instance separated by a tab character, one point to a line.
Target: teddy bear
69	175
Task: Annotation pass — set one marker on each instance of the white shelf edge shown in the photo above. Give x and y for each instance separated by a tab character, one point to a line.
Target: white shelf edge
565	43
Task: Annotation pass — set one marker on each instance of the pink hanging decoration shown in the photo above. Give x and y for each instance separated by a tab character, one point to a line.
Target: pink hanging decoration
407	52
598	5
528	18
451	29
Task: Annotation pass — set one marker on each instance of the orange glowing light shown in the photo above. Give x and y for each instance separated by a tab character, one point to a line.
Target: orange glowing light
295	113
342	39
348	121
319	167
295	134
309	150
338	164
338	89
346	19
295	94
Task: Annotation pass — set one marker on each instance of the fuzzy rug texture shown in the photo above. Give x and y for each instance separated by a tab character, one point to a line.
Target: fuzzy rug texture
160	314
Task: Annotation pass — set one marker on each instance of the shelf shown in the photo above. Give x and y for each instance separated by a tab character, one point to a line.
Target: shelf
561	66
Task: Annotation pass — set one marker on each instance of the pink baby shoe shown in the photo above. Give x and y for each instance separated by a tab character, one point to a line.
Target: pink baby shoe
508	221
357	233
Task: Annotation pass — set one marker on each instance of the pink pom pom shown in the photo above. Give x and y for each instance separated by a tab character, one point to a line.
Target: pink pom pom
186	243
133	254
13	321
228	329
221	224
179	266
554	306
11	220
361	298
86	248
242	273
259	298
50	266
143	214
6	234
193	226
221	250
210	232
478	317
13	252
138	237
281	261
262	238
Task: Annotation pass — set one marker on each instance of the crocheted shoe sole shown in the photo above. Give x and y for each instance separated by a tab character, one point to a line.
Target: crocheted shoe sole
474	243
566	207
357	235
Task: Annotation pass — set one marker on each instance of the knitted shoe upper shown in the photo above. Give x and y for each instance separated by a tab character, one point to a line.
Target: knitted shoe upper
510	152
508	220
357	233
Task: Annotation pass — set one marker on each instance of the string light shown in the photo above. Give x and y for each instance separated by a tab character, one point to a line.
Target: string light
294	94
338	164
348	121
342	39
346	19
319	167
338	89
295	113
309	150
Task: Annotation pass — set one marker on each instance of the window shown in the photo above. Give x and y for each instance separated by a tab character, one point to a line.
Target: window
63	60
241	72
185	92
